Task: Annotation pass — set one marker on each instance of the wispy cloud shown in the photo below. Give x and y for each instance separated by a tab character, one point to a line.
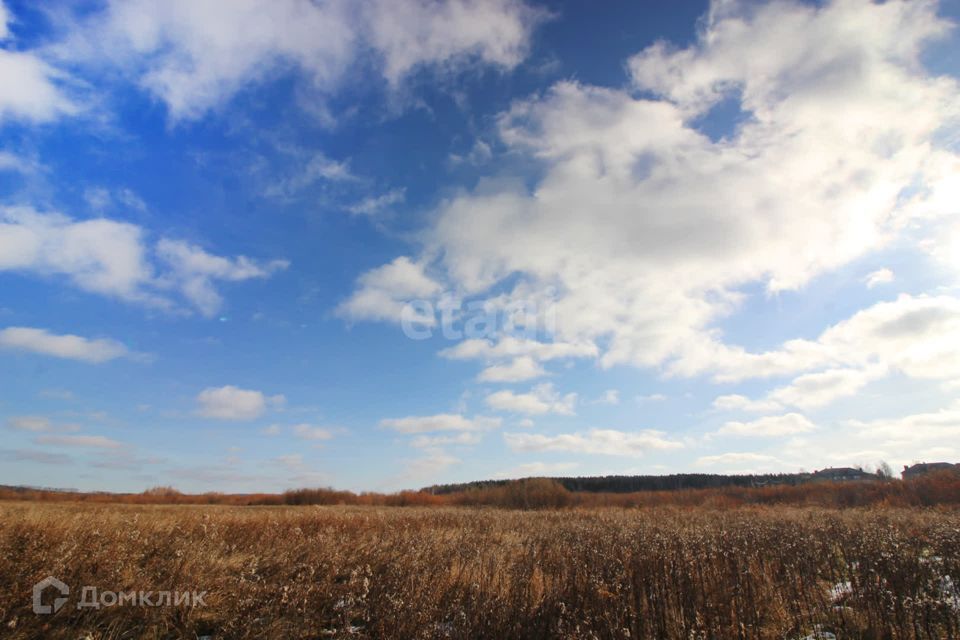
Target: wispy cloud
66	346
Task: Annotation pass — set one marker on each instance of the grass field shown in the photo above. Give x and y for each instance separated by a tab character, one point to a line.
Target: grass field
315	572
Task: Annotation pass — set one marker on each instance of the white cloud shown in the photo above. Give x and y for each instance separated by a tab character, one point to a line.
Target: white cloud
375	205
42	457
737	402
736	459
814	390
944	242
610	396
101	199
838	127
769	426
29	423
419	32
291	461
535	469
18	164
878	277
384	292
196	270
308	168
512	347
540	400
517	370
99	255
918	336
942	425
4	22
271	430
596	441
429	465
90	442
116	259
31	89
440	422
310	432
467	438
653	397
66	346
232	403
479	154
515	359
195	55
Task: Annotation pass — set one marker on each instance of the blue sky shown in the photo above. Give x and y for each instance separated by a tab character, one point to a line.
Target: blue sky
376	245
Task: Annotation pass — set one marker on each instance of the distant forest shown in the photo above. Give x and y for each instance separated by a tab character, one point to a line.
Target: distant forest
630	484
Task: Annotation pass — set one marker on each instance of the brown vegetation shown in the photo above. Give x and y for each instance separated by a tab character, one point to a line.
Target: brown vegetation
314	572
941	488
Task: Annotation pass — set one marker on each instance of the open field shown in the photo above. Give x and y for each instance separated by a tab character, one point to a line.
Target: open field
314	572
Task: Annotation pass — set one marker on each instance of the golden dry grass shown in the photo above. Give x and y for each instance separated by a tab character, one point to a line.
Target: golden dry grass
315	572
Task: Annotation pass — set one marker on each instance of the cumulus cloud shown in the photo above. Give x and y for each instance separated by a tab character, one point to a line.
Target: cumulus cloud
431	463
383	293
814	390
507	347
942	425
647	399
737	402
596	441
195	56
534	469
769	426
878	277
517	370
67	346
32	90
233	403
610	396
414	34
541	399
99	255
12	162
467	438
836	154
117	259
4	20
916	336
440	422
310	432
515	359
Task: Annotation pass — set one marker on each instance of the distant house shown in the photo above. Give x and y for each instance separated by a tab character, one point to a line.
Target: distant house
842	474
923	468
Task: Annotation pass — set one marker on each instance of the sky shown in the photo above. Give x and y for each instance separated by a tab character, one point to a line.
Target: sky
383	244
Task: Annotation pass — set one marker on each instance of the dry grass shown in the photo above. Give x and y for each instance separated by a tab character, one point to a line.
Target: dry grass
313	572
